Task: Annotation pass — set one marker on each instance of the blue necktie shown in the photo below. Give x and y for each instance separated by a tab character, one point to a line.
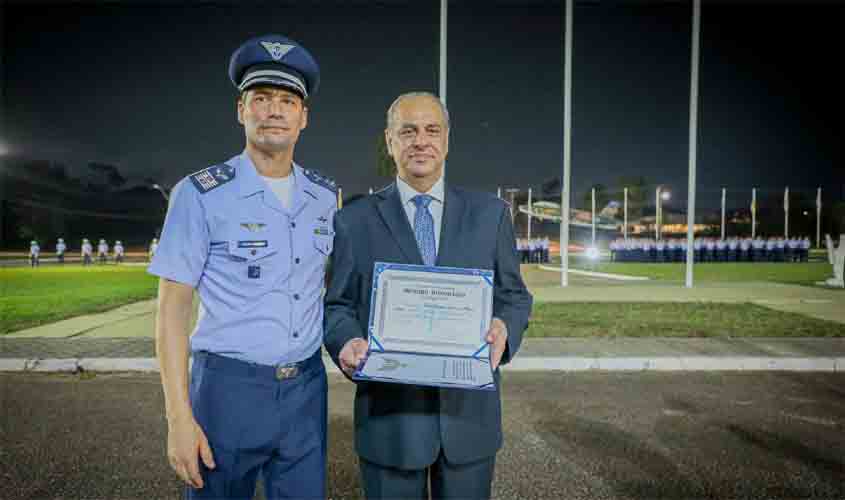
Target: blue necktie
424	229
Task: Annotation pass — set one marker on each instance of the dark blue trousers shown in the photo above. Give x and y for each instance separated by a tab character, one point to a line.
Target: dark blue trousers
261	420
441	481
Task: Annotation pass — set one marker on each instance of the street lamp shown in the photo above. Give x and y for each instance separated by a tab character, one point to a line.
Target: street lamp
512	192
659	197
161	190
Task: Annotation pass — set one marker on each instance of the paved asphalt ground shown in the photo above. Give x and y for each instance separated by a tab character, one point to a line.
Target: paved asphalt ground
602	435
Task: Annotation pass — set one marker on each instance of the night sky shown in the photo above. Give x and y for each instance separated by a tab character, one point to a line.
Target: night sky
143	85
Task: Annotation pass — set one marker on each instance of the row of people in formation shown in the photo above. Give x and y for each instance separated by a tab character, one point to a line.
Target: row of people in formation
736	249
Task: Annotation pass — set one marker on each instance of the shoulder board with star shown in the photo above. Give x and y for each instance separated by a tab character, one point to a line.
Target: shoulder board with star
212	177
320	180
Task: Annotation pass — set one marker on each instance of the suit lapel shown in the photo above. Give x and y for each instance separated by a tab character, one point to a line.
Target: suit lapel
393	214
450	227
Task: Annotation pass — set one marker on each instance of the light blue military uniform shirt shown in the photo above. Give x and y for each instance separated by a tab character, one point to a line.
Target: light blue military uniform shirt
259	268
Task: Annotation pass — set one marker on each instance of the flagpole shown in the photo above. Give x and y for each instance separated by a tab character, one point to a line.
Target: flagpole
625	222
693	137
444	5
786	213
567	146
529	213
724	192
819	218
593	218
753	213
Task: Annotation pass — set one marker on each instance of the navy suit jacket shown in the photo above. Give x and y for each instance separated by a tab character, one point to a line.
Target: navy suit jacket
405	426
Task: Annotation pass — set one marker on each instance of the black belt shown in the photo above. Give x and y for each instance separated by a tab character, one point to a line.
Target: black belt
240	368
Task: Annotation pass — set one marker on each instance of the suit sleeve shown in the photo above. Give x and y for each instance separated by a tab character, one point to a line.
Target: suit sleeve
511	299
342	295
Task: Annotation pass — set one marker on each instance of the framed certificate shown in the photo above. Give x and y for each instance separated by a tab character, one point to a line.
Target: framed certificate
428	327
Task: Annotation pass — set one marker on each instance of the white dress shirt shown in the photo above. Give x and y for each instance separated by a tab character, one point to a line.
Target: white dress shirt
437	192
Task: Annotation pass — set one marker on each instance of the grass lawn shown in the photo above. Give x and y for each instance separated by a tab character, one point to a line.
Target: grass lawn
31	297
697	319
800	274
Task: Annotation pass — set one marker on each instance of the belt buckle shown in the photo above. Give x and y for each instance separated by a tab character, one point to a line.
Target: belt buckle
284	372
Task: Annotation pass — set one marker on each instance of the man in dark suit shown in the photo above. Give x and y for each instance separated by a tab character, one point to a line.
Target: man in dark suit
407	436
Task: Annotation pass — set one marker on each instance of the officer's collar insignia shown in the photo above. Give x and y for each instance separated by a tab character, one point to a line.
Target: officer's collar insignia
253	226
212	177
320	180
277	50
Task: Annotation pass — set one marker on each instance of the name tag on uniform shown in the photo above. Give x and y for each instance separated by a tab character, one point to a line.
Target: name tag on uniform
252	244
322	230
254	272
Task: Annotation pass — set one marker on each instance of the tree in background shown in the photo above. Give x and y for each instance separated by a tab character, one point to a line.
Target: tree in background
384	163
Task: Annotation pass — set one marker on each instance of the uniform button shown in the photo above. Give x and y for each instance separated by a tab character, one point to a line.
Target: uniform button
296	296
252	252
297	260
293	224
295	334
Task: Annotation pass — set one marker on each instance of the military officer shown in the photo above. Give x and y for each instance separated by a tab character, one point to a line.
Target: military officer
60	251
87	250
34	254
153	247
102	252
251	236
118	252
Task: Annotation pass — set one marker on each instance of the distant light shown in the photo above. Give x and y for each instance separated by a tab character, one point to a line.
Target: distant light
665	195
593	253
806	212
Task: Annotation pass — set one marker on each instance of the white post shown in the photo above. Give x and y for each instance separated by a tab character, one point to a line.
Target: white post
567	146
657	213
753	213
724	191
625	220
444	7
786	213
819	218
529	213
499	192
693	137
593	217
371	191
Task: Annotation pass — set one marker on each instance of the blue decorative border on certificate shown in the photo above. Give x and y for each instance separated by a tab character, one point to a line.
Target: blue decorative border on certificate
380	267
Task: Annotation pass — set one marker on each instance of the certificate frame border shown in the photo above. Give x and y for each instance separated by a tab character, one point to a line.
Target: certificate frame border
381	267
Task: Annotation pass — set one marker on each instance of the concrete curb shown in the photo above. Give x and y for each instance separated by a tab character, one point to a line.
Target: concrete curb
524	364
594	274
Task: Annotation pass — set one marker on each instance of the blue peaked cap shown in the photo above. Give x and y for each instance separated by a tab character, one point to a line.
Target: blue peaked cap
274	60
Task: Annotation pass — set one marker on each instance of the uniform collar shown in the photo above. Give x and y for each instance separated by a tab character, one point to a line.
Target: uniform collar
251	181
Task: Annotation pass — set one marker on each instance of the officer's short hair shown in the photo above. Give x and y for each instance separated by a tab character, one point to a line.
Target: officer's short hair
391	111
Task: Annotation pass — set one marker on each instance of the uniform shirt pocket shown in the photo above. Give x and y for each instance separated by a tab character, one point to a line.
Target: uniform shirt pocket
248	250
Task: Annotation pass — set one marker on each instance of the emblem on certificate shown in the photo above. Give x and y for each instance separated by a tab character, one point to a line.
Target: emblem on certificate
428	327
